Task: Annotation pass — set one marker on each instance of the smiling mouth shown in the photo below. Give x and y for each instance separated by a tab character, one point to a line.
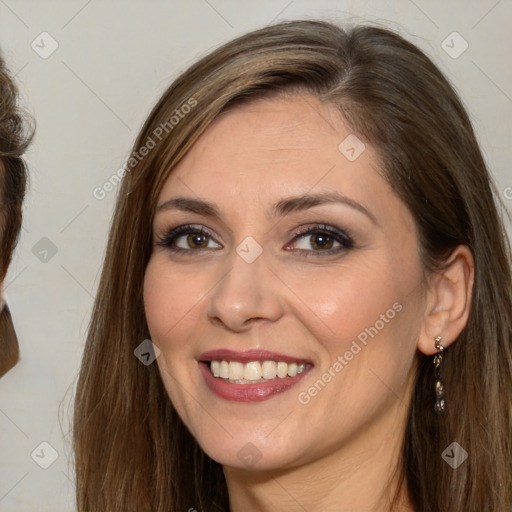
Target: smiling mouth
251	375
254	372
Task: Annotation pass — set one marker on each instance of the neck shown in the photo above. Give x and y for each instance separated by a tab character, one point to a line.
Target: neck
363	474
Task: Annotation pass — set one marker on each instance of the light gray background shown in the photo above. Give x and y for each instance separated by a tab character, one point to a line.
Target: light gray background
114	58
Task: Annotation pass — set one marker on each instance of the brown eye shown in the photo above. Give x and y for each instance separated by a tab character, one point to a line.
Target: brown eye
188	238
197	240
321	241
318	241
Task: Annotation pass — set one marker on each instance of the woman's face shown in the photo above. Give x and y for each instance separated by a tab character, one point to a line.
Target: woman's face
296	246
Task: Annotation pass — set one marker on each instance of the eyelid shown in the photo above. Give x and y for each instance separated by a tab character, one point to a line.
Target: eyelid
171	234
343	237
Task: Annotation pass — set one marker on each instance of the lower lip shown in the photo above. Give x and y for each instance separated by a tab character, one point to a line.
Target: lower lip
248	392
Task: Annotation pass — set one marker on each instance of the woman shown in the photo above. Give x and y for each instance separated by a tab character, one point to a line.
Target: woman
307	234
13	176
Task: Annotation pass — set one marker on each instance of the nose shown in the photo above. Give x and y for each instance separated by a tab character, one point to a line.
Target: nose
247	293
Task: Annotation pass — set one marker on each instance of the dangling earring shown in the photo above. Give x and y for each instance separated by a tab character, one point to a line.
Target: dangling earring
439	406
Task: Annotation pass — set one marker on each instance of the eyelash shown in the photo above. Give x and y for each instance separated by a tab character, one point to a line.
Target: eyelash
342	237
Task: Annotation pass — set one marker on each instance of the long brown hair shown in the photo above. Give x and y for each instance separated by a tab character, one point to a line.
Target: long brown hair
133	453
15	134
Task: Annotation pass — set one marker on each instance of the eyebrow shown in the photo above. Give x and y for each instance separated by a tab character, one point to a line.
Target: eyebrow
281	208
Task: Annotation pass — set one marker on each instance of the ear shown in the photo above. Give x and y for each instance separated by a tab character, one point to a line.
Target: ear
448	300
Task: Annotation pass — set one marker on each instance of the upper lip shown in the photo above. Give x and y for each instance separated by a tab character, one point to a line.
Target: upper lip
223	354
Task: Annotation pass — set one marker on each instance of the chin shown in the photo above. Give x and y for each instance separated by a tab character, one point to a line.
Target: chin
252	453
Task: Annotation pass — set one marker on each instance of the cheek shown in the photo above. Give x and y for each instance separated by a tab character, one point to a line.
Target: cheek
340	303
366	319
171	299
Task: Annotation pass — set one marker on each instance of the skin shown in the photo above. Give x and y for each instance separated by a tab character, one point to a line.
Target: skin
338	451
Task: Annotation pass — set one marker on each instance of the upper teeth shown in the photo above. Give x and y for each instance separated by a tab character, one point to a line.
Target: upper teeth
255	370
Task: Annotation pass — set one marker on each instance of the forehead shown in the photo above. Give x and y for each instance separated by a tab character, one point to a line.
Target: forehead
257	152
271	131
